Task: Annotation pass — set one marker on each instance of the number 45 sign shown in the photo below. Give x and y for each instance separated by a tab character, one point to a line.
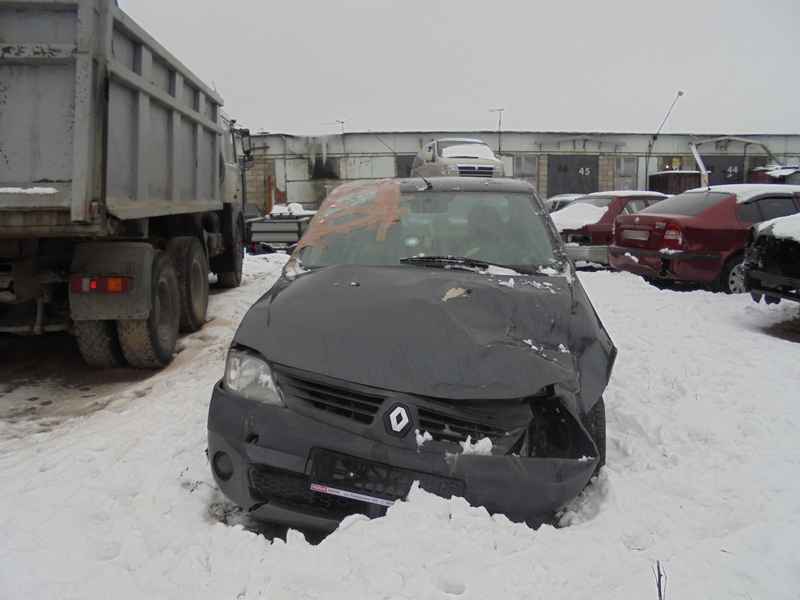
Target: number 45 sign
585	171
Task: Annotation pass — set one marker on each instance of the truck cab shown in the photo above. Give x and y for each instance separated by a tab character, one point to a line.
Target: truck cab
457	157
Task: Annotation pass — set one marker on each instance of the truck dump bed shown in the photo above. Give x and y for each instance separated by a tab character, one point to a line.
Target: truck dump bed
98	121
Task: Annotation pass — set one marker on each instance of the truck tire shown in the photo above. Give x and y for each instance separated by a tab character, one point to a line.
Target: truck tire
233	279
98	344
595	423
191	267
150	343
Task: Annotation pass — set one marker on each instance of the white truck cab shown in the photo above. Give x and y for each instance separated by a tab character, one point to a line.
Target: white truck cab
457	157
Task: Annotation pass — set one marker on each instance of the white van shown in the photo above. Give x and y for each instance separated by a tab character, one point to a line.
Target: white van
457	157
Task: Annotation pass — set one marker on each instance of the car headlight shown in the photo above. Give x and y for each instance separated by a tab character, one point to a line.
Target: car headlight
250	376
452	169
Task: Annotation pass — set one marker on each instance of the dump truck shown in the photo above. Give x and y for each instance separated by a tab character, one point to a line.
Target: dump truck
121	184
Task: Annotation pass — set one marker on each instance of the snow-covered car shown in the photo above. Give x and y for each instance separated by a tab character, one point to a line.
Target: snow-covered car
428	331
559	201
772	260
457	157
587	223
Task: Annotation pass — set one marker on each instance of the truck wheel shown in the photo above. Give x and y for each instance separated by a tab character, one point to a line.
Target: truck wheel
233	279
595	423
150	343
98	344
191	266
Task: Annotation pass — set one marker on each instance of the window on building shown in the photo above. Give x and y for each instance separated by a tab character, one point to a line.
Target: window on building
526	165
626	166
403	164
325	169
670	163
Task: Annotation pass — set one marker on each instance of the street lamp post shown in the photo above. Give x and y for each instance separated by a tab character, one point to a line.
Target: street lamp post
655	137
499	112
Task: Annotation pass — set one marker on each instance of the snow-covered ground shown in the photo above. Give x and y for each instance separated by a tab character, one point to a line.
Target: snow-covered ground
106	492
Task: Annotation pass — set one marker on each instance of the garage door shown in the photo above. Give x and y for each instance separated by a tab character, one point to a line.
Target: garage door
724	169
571	174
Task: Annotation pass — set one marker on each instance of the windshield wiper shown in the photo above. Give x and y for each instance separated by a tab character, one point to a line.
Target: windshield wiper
451	262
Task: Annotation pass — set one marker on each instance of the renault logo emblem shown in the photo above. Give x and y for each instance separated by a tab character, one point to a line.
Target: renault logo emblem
397	420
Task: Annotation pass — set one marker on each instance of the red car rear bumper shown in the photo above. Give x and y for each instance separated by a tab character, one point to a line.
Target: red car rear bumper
690	267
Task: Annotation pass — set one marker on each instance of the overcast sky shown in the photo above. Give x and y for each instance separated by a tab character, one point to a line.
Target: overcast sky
298	66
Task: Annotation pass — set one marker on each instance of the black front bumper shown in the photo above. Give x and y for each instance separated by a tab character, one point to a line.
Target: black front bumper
275	453
773	286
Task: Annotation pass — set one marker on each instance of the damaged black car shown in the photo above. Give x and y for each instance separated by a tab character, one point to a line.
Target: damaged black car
772	260
427	330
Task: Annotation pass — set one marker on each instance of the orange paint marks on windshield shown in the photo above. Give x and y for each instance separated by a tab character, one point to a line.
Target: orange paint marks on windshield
356	206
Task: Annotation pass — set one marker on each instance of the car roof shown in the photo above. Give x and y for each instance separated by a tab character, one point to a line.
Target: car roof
564	197
464	184
462	140
745	192
446	184
625	193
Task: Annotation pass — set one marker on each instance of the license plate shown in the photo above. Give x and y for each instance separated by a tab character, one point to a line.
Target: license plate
351	477
636	234
326	489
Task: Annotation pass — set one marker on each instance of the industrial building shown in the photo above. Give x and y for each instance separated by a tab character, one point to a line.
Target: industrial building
290	168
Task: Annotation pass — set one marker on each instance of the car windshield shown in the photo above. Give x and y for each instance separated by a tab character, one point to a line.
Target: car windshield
689	204
379	225
599	202
464	150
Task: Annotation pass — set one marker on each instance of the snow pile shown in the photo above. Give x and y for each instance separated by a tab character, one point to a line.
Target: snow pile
703	423
577	215
631	257
783	227
509	283
422	437
293	208
783	172
483	447
33	191
500	271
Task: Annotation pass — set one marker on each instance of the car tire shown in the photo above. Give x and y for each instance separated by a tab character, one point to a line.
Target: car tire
594	422
191	266
98	344
150	343
731	279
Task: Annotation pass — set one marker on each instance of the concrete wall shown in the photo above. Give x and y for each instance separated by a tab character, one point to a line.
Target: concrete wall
305	169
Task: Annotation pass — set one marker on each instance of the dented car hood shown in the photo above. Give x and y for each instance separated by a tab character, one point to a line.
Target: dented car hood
441	333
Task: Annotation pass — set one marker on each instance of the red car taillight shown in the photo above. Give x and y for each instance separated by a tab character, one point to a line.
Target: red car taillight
673	237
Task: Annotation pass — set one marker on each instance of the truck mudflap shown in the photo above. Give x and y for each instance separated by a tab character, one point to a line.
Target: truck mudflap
111	281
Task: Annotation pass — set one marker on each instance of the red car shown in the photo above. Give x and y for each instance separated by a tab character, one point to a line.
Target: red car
699	236
586	224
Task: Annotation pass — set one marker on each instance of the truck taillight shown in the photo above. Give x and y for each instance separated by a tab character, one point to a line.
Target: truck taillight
673	237
99	285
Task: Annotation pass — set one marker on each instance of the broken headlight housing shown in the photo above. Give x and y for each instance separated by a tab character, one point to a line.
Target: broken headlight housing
249	376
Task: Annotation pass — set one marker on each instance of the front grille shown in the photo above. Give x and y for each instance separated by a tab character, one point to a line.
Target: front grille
358	406
475	171
446	428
